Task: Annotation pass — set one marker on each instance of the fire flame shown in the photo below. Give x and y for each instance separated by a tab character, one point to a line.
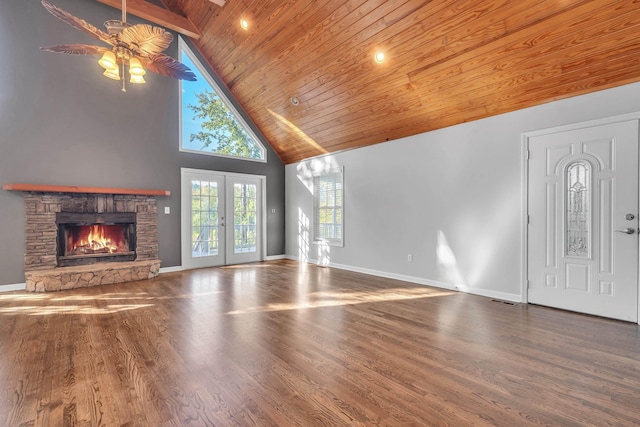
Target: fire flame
97	239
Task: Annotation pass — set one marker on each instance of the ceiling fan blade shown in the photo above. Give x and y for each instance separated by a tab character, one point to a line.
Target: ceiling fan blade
167	66
77	23
146	39
76	49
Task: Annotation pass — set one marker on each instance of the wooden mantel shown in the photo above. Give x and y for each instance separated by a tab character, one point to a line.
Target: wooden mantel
76	189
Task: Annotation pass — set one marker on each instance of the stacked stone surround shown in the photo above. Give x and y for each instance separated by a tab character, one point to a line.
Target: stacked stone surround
41	240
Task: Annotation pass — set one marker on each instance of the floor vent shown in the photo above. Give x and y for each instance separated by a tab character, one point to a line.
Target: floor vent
504	302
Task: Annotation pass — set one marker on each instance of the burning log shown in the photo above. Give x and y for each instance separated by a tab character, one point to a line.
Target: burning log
96	240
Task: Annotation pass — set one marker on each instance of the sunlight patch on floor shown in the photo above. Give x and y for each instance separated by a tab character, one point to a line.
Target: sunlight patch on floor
24	297
336	298
69	309
87	304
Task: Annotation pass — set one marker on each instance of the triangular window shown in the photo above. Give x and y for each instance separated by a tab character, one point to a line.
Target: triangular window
209	123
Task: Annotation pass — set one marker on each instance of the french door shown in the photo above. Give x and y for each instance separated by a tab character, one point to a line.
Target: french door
221	218
583	220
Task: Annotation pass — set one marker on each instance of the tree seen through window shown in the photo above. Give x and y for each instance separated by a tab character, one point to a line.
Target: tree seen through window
209	124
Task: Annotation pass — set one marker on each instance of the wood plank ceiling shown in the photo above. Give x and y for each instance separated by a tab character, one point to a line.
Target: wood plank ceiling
446	62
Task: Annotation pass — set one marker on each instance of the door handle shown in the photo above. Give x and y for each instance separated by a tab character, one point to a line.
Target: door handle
629	230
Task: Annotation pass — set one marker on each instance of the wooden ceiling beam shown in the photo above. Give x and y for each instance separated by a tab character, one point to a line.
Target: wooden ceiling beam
157	15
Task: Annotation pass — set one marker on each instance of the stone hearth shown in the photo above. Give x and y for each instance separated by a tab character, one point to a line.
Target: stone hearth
83	276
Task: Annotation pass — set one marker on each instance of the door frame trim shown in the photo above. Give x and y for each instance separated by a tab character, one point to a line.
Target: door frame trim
525	137
263	213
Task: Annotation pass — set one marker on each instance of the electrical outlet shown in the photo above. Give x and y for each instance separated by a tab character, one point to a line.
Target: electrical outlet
410	257
167	210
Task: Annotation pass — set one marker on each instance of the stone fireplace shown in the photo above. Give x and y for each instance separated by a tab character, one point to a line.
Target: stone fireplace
79	237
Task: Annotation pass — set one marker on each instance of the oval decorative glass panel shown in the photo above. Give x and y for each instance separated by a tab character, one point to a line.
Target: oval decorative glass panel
577	218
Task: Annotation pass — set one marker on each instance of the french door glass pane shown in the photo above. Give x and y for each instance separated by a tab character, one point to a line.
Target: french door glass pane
204	218
244	218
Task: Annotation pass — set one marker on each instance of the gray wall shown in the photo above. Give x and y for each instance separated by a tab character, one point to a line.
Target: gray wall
63	123
452	198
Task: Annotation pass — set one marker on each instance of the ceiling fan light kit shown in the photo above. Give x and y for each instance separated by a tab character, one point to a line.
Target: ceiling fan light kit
108	60
135	67
136	47
113	73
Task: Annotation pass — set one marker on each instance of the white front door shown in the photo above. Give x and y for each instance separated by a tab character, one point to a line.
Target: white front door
583	220
221	218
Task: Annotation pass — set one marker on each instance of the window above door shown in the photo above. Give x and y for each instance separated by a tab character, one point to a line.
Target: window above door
209	122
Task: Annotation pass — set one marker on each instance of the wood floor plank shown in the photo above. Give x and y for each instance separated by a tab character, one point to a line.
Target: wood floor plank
283	343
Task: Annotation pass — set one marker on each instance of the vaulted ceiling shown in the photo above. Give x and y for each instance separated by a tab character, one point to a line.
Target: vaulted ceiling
445	61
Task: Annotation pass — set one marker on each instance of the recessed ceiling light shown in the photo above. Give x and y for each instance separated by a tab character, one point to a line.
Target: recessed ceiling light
244	24
379	57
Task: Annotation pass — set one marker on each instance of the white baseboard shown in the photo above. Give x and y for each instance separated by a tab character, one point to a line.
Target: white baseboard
171	269
274	257
504	296
421	281
395	276
14	287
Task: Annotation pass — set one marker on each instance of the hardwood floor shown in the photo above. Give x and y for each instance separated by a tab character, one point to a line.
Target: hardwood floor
288	344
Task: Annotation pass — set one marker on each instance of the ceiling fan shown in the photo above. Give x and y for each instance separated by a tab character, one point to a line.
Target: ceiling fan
137	46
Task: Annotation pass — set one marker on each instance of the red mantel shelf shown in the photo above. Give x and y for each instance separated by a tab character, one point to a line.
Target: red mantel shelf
75	189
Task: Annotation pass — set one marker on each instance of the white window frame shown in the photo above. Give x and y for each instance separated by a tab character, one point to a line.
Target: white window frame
316	206
184	47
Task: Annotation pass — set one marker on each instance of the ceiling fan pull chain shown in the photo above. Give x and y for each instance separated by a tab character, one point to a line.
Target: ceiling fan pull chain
124	89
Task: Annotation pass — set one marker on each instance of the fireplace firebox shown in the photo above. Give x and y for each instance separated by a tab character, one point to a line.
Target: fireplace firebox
88	238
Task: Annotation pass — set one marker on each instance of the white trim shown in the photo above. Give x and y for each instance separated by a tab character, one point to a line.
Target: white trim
207	153
183	47
585	124
524	221
275	257
231	174
14	287
492	294
419	281
263	184
171	269
525	183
